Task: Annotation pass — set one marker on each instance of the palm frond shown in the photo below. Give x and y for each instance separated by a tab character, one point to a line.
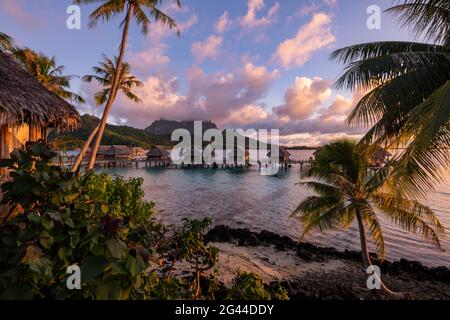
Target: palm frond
370	50
372	72
412	223
326	220
424	17
422	163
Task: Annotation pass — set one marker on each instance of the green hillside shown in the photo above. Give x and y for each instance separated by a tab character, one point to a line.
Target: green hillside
121	135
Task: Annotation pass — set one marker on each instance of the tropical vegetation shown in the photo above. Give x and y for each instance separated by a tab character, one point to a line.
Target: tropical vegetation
103	225
407	104
114	135
6	42
105	74
141	11
348	191
47	72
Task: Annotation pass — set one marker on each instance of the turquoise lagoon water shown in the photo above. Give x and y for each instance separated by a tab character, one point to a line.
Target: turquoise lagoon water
245	199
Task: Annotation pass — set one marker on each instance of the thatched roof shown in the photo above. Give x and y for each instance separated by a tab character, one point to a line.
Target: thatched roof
24	100
282	151
114	150
380	154
156	151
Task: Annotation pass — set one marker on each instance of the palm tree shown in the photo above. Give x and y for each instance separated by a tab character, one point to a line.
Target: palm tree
6	42
104	74
140	11
408	101
346	190
47	72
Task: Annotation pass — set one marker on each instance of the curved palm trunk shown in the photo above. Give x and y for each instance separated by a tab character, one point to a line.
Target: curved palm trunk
367	261
86	145
113	92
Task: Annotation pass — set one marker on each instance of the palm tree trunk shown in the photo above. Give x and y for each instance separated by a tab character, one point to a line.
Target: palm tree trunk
113	92
86	145
367	261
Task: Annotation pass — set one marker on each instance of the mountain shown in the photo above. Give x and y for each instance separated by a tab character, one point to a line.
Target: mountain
119	135
166	127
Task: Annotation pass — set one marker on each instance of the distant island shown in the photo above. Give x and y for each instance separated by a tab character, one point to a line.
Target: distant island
114	135
158	133
166	127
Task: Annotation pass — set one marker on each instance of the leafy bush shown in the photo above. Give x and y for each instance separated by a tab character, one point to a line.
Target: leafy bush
59	219
103	225
55	223
249	286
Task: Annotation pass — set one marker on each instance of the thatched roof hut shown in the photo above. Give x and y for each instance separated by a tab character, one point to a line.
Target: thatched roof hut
380	155
24	100
27	109
157	153
114	152
283	154
138	152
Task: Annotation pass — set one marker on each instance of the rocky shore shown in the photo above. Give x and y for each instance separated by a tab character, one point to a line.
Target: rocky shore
311	272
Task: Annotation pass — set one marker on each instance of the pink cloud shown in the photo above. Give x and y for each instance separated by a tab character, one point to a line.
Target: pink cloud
148	60
223	97
210	48
223	24
14	9
303	98
310	38
251	21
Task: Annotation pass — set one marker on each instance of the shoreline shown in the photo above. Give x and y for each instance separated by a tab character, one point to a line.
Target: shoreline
310	272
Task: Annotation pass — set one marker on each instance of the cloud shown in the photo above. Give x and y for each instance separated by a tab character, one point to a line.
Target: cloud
310	38
331	3
339	109
223	24
302	99
143	62
251	21
155	57
210	48
14	9
160	31
226	98
248	114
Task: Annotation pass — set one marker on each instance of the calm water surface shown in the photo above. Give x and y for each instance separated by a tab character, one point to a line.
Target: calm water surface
243	198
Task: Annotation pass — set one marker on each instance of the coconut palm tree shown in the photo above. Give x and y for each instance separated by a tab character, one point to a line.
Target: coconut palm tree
6	42
141	11
47	72
347	191
407	104
104	74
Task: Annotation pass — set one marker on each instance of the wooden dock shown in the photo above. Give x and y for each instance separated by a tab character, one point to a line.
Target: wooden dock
169	165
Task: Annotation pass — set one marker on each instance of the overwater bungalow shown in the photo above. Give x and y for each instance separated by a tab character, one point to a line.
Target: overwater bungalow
138	153
283	155
28	111
380	156
114	153
157	153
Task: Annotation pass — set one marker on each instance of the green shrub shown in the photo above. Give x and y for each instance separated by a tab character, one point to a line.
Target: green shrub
100	223
249	286
103	225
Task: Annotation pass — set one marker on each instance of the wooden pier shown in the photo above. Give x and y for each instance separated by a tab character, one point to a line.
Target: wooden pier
142	163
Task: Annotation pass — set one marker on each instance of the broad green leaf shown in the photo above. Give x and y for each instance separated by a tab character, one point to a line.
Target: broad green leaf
92	267
117	247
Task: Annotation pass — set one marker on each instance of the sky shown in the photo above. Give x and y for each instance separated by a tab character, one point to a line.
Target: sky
261	64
